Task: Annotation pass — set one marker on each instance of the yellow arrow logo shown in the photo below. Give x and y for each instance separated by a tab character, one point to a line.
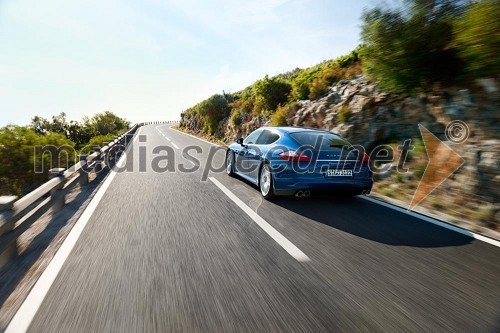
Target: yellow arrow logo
443	162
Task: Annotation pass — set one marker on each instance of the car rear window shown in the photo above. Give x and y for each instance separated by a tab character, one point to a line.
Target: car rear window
267	137
325	139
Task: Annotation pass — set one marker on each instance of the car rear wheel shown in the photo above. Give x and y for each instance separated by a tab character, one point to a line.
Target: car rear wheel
230	163
266	182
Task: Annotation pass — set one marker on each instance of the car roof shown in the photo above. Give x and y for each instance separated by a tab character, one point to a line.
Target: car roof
295	129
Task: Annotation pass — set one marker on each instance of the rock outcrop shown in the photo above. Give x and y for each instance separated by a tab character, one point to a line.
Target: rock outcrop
366	115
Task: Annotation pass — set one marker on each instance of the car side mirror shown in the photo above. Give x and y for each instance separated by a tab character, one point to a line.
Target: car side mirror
239	141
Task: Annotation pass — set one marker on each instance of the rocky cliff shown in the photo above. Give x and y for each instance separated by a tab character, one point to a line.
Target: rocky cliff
364	114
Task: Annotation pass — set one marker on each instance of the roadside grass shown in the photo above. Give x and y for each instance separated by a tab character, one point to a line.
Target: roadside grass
452	208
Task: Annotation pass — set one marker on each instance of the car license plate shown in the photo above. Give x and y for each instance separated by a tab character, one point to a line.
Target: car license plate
339	173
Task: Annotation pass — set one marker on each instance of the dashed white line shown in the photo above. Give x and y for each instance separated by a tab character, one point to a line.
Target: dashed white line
403	210
173	144
279	238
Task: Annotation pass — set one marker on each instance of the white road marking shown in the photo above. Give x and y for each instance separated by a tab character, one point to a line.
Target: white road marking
214	144
137	134
121	162
24	316
435	221
419	216
279	238
159	131
166	137
173	144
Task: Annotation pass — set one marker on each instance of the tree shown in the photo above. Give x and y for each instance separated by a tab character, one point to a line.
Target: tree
108	123
17	158
58	124
477	37
80	133
279	117
409	46
271	92
213	110
40	125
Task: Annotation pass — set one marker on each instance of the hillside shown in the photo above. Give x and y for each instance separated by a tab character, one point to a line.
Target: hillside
412	68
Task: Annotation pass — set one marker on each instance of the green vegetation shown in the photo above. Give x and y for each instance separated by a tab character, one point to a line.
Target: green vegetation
80	132
211	111
487	216
406	49
279	117
98	141
429	41
271	98
269	93
477	38
21	169
17	160
389	192
344	114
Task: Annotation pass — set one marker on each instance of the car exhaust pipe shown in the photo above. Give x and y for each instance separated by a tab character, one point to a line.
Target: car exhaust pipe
299	194
307	193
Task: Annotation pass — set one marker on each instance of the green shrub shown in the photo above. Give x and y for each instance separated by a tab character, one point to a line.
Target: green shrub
302	83
278	118
409	46
387	191
399	177
477	37
213	110
235	118
108	123
18	172
81	132
271	92
331	74
344	114
101	139
348	60
300	88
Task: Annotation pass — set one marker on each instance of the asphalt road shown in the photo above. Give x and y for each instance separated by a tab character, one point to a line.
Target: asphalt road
169	252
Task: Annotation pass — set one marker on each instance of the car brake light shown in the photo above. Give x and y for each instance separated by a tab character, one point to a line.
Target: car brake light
366	158
292	155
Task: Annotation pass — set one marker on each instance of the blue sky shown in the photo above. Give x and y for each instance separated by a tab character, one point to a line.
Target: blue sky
150	60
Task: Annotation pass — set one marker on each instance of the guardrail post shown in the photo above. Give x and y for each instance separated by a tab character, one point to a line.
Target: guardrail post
84	175
111	154
6	204
98	163
58	203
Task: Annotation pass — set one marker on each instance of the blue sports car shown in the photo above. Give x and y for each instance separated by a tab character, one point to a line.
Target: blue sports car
296	161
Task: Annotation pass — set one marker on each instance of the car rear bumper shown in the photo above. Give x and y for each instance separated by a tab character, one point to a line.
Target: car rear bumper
351	188
289	186
289	178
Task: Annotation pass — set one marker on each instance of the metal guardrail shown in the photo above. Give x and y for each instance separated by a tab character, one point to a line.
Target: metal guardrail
16	216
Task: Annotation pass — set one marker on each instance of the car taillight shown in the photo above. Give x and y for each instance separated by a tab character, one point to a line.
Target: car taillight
366	158
294	156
